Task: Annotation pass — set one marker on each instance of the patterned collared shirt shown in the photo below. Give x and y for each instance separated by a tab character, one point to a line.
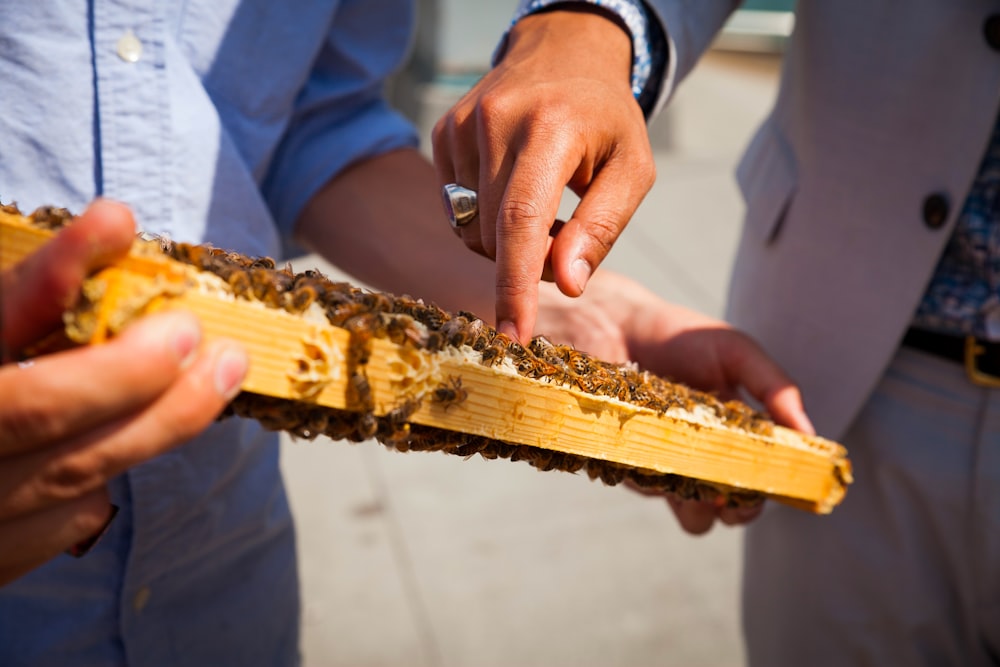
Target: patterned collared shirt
964	295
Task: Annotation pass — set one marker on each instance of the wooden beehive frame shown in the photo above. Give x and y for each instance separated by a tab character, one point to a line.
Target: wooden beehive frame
306	360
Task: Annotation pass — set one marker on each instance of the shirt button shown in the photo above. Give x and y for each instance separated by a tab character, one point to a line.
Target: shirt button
936	210
129	47
141	598
991	31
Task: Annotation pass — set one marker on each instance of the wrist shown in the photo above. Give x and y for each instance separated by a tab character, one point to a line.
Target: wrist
648	44
571	36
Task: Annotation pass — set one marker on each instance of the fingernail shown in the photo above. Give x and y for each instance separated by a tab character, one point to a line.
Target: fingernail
186	337
580	270
230	370
807	425
507	327
81	549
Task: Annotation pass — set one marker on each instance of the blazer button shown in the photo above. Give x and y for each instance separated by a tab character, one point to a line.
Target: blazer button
991	31
936	210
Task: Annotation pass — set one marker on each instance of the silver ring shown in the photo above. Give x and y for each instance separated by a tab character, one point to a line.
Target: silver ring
460	204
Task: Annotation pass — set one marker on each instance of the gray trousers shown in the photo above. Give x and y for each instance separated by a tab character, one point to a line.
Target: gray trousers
906	571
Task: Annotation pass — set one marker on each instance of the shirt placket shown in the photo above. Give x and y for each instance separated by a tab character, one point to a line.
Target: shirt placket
133	128
133	109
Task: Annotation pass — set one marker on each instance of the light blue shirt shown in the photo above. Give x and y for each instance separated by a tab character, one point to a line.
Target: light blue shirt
216	120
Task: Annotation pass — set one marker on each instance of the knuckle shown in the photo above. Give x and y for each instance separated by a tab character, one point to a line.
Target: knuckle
646	175
440	134
30	422
72	475
494	103
518	209
499	112
601	232
511	287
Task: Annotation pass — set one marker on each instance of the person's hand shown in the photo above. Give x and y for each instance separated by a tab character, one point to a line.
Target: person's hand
556	111
72	420
619	320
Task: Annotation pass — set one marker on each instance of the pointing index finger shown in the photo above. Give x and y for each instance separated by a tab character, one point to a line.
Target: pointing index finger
527	212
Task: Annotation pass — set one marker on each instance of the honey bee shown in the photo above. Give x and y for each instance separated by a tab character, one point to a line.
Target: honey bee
363	327
559	461
423	438
262	263
434	318
401	330
199	256
526	366
240	284
361	391
340	425
375	301
503	450
545	350
545	371
578	362
365	426
455	331
338	313
51	217
491	356
264	288
434	341
480	334
317	422
472	446
398	417
572	463
450	393
300	298
283	279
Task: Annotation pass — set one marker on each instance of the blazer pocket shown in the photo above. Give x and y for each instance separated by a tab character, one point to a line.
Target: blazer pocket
767	176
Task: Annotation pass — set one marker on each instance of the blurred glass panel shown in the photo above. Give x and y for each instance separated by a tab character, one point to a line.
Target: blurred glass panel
770	5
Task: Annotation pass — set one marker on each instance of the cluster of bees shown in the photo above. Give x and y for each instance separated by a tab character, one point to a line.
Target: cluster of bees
404	320
44	217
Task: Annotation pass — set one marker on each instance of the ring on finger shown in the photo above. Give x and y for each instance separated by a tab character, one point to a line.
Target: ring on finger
460	204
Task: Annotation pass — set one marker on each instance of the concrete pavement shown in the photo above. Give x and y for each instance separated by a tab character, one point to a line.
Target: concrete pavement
428	560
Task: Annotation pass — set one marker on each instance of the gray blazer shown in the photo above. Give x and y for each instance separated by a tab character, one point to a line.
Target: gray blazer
854	181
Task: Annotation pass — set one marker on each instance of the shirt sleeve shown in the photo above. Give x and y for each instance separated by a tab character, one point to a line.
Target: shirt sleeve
688	29
341	115
649	44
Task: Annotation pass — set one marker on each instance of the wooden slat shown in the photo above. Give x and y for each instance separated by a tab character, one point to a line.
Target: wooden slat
806	472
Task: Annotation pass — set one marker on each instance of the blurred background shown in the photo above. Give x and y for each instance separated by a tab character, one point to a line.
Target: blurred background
425	559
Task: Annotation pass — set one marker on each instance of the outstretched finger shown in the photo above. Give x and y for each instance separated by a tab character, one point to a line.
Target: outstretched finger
527	213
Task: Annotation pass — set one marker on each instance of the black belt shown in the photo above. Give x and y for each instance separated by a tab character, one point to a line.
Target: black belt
981	358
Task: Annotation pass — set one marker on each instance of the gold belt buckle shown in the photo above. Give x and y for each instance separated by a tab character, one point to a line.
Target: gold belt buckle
973	350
